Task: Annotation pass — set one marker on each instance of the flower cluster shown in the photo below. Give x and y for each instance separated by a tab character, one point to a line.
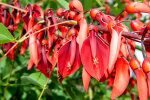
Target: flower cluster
102	48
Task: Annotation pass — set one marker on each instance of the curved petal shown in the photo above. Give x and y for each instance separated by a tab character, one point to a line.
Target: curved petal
148	75
30	64
114	46
24	47
68	63
121	78
82	32
86	77
33	49
136	7
97	66
45	70
141	84
77	5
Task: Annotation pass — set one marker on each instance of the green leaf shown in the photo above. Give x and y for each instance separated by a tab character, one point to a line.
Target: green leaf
5	35
63	3
36	78
88	5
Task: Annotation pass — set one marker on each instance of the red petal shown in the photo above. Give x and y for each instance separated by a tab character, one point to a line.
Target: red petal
141	7
97	66
51	20
77	5
110	82
44	58
121	78
33	49
136	25
64	56
54	58
93	43
82	32
73	50
141	84
136	7
45	70
86	77
114	46
24	47
60	78
107	37
148	75
30	64
99	18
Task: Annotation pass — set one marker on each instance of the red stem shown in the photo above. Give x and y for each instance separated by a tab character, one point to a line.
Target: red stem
142	42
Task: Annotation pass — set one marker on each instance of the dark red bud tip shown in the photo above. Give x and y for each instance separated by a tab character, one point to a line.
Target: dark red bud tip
72	32
111	24
93	13
71	5
63	42
146	65
72	14
80	16
45	42
59	12
132	82
92	27
130	7
134	64
148	25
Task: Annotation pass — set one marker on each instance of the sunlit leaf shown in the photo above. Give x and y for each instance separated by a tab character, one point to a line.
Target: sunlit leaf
5	35
63	3
35	78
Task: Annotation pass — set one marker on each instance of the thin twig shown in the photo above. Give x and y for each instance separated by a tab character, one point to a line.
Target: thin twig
103	39
92	22
124	21
49	27
43	89
119	14
8	51
129	35
128	48
67	32
142	42
86	11
20	9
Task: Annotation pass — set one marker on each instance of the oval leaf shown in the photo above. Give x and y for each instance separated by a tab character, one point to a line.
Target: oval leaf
5	35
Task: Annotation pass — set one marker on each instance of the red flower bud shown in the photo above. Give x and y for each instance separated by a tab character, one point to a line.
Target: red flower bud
93	13
134	64
146	65
137	7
